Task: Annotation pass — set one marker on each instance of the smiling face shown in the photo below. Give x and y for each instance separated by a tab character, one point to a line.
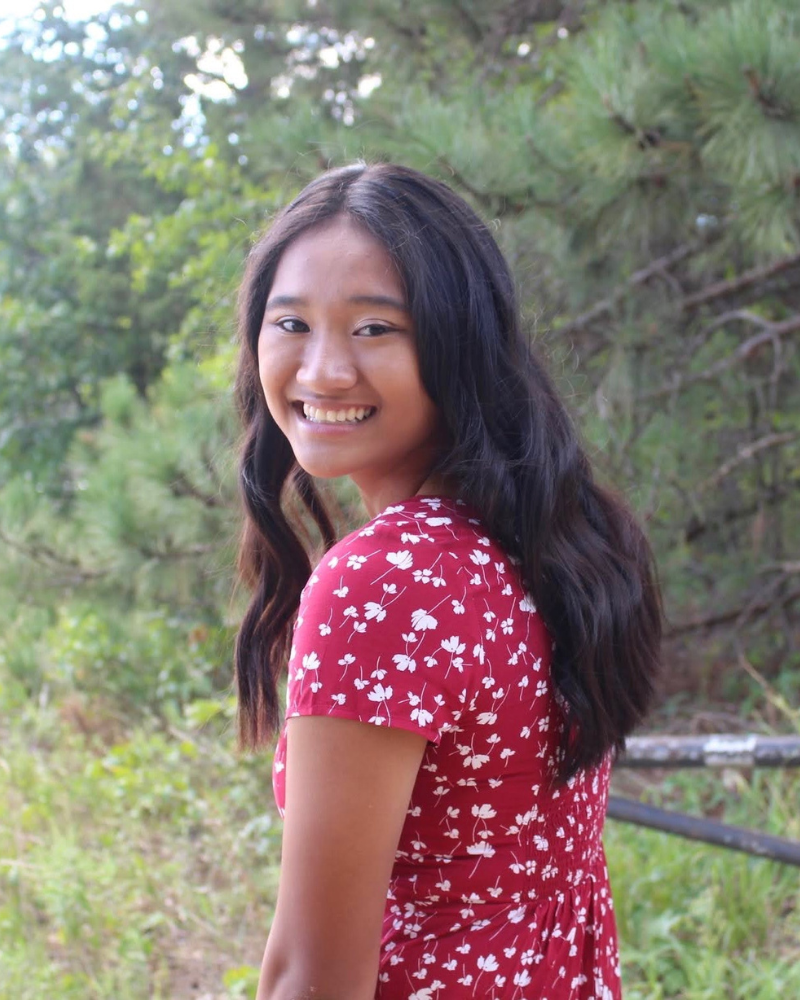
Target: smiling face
339	369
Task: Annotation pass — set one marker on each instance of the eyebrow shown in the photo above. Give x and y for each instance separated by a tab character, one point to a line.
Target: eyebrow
361	300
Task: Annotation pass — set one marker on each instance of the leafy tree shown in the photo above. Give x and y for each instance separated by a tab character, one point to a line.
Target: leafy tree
639	162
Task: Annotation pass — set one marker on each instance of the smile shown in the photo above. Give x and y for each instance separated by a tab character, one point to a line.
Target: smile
351	415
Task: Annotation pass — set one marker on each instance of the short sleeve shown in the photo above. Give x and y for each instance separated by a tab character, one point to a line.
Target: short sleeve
384	636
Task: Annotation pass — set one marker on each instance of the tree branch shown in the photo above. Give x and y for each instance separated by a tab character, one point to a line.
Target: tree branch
698	525
773	331
44	556
720	289
745	453
181	486
750	610
605	306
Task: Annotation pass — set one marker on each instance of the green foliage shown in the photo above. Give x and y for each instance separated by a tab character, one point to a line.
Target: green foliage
639	163
700	923
120	864
145	661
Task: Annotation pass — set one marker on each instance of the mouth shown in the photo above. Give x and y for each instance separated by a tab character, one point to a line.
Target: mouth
349	416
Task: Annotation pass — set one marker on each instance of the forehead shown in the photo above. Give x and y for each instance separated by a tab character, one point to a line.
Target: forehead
337	258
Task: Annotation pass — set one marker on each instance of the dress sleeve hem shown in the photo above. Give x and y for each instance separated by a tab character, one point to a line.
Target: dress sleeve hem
429	732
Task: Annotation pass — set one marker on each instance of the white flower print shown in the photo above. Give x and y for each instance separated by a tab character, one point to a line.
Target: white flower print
484	811
422	620
454	644
370	644
380	693
374	610
476	760
421	716
401	560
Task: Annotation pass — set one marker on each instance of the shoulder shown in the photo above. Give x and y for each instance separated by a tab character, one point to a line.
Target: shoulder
409	540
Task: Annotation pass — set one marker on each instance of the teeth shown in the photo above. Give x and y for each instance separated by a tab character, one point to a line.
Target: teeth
353	415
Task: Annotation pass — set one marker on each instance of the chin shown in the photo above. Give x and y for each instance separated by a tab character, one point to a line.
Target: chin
323	470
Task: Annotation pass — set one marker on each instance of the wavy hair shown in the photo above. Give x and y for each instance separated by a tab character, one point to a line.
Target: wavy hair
514	454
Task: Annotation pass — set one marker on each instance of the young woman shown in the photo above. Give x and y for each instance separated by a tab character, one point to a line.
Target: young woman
461	669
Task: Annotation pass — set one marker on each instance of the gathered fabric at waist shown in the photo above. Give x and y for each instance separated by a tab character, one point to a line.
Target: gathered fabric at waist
510	875
565	941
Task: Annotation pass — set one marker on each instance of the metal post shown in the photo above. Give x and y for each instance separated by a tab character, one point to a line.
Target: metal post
717	750
762	845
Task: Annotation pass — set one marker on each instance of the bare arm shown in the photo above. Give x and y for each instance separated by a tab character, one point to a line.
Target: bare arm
348	785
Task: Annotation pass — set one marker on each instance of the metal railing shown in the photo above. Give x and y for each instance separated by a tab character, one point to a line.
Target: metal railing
718	750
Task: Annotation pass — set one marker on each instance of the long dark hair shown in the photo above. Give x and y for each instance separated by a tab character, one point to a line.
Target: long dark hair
515	456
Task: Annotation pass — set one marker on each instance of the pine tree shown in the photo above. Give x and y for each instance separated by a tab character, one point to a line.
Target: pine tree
639	162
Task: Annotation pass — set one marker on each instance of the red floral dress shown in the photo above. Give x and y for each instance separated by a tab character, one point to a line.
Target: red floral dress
499	888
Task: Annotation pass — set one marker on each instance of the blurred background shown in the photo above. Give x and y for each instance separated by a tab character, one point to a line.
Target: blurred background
640	165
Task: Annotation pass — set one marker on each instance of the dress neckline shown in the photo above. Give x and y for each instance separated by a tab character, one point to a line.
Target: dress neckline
417	499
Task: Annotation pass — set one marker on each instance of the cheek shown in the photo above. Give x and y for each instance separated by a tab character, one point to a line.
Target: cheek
409	398
271	376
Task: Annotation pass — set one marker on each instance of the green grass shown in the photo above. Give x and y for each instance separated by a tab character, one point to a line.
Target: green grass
143	870
703	923
145	866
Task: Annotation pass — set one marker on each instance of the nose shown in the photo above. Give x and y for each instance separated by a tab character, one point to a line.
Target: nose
327	364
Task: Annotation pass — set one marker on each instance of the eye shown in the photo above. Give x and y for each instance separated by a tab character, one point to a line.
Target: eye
374	330
291	325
